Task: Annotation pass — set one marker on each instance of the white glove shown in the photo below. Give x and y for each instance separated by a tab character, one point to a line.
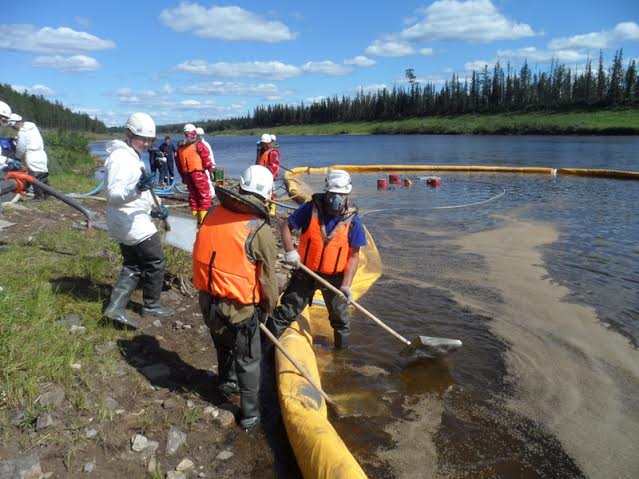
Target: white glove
348	293
293	258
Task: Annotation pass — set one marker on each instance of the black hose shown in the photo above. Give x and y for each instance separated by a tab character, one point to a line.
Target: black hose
7	186
65	199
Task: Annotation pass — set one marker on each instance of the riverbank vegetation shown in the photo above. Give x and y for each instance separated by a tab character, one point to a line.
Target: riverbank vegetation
46	114
500	99
606	122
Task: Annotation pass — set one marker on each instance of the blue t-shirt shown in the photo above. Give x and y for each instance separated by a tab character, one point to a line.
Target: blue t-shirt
301	218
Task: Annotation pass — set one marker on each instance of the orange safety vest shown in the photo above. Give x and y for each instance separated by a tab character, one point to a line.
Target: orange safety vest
265	160
326	254
189	159
220	264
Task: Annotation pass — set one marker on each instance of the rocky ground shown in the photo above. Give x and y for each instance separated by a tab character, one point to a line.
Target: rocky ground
150	409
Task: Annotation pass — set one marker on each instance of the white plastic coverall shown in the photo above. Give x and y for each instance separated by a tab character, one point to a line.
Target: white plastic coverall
208	174
127	209
30	148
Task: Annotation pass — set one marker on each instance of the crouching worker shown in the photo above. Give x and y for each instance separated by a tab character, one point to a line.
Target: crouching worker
130	212
234	259
332	234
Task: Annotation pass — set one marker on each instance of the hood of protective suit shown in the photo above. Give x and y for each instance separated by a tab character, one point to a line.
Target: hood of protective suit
30	148
128	209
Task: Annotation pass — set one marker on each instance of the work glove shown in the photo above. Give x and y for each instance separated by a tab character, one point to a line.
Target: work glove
146	182
292	258
348	293
161	214
15	165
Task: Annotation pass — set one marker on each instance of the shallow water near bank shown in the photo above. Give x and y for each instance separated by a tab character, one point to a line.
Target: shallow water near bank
540	284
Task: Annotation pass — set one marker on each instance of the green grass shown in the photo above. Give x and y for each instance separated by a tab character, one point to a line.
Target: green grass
60	271
582	123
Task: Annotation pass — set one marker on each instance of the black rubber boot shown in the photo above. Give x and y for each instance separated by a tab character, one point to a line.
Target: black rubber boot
154	308
341	339
122	291
250	411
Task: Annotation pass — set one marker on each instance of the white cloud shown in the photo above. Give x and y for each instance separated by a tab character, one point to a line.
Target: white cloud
360	61
225	23
390	48
314	99
272	70
622	32
427	52
265	90
478	65
34	90
75	63
326	67
472	21
542	56
48	39
374	88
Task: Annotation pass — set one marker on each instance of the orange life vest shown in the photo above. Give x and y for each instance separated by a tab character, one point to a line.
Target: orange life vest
326	254
272	162
221	266
189	159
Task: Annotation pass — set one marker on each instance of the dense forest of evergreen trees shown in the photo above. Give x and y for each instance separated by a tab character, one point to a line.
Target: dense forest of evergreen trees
46	114
496	90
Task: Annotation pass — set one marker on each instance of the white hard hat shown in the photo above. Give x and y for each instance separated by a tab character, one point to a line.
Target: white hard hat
141	124
199	130
266	138
273	137
338	181
257	179
5	110
15	117
189	127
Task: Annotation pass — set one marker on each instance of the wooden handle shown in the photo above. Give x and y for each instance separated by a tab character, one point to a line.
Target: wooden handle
299	367
167	227
370	315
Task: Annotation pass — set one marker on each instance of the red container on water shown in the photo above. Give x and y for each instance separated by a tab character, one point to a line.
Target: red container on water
395	179
382	184
434	181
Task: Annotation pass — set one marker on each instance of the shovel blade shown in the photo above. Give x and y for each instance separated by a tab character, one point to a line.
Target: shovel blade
429	347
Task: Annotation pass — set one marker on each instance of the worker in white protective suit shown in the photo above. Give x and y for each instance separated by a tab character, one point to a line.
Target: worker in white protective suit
130	212
30	151
200	136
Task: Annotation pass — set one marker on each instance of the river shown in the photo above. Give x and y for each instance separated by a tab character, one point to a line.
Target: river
540	283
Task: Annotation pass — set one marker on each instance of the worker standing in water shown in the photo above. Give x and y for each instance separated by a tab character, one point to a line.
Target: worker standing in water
234	258
130	209
193	161
332	234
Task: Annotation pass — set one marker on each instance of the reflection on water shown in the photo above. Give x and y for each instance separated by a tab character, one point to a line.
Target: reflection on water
432	285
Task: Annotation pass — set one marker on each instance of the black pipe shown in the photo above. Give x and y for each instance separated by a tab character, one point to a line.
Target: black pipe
65	199
8	186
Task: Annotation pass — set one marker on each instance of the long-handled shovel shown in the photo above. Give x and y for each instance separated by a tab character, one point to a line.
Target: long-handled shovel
302	371
167	226
424	345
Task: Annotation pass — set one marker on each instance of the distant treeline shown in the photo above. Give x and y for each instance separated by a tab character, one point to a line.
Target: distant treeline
46	114
495	90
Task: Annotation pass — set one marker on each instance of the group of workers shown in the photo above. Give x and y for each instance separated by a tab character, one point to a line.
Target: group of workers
26	150
235	251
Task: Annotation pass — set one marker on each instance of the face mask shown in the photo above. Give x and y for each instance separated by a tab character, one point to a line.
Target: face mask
336	202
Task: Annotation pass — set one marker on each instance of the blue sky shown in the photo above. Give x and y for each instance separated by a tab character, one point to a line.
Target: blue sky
192	60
